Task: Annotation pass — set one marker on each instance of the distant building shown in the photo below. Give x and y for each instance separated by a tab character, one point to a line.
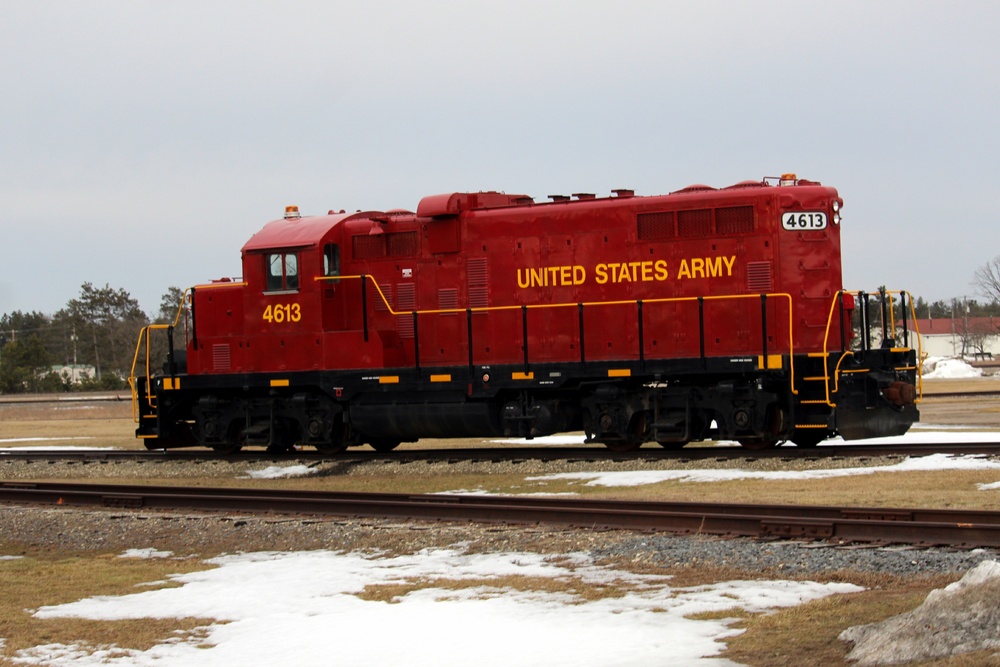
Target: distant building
973	337
75	374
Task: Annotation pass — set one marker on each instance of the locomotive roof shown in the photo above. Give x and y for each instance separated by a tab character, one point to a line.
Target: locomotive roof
309	231
303	232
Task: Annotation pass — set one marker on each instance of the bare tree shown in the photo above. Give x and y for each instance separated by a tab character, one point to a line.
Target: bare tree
987	279
977	336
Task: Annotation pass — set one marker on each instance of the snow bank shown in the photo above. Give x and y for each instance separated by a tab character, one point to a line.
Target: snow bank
960	618
946	368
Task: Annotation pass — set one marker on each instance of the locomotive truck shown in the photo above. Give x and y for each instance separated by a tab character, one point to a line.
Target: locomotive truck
706	313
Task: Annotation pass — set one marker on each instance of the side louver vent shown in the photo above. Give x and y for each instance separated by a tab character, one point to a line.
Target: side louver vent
406	301
221	359
476	281
760	277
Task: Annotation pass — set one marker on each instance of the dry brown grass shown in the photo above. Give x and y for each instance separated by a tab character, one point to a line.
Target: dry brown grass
48	578
812	629
577	590
78	424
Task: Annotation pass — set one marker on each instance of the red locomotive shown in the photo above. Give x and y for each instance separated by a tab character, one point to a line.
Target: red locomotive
704	313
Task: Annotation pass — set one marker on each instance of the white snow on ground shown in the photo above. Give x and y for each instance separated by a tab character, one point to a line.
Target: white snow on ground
574	439
76	437
145	553
277	472
935	368
640	477
921	433
303	609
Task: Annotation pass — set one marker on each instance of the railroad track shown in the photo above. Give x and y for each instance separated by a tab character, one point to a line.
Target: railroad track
925	527
510	453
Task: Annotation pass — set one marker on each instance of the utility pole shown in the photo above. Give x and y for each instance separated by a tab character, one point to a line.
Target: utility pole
965	302
97	357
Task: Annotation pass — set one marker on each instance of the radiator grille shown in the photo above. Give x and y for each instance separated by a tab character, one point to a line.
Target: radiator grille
734	220
365	246
654	226
699	222
694	223
403	244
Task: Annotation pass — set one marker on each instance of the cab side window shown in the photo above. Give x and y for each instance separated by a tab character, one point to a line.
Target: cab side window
331	259
281	271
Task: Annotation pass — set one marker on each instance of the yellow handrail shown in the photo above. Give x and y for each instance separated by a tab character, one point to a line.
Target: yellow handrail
539	306
892	318
144	338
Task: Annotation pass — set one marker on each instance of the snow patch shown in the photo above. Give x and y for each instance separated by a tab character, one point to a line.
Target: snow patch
641	477
145	553
290	608
278	472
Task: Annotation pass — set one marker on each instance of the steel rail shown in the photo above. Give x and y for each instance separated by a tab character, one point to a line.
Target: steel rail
960	528
508	453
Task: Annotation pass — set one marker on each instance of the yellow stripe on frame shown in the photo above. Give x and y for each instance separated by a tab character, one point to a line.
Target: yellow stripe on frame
440	378
522	376
279	383
388	379
774	361
171	384
619	372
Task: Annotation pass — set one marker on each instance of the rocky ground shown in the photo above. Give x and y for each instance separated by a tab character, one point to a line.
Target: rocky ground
196	533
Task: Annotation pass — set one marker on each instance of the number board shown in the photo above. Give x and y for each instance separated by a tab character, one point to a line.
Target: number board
797	221
282	312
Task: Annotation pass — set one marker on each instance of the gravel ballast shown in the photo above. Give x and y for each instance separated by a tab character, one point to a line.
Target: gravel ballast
75	529
206	534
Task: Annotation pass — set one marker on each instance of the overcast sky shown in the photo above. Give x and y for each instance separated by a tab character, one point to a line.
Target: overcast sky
142	143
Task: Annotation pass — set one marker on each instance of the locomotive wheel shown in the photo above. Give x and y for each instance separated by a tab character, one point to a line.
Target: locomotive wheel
775	420
227	447
384	445
633	440
622	445
330	447
337	442
233	443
